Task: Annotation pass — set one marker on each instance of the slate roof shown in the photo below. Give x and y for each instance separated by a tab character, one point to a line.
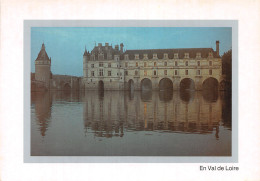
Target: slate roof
160	53
42	54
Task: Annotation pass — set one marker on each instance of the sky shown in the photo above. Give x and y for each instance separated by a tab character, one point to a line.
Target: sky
66	45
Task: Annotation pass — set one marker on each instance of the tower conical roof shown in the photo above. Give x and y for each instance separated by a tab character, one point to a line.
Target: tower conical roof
42	54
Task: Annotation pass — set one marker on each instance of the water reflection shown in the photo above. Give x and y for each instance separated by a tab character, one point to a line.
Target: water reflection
112	113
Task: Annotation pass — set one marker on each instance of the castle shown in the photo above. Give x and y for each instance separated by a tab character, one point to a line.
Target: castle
111	68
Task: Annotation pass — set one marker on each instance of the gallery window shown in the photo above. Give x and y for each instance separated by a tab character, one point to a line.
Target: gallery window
101	72
210	72
100	64
165	64
136	72
154	64
109	64
126	72
198	72
165	72
186	72
210	63
145	64
145	73
187	63
126	64
109	73
176	63
92	65
92	73
198	63
154	72
176	72
136	64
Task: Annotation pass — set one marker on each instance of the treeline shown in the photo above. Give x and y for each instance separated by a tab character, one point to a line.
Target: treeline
227	68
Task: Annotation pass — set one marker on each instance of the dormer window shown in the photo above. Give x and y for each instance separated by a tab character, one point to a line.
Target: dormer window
186	55
155	56
165	56
145	56
198	55
126	57
176	55
136	56
210	54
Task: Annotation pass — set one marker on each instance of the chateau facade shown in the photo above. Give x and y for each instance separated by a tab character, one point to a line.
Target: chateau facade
111	68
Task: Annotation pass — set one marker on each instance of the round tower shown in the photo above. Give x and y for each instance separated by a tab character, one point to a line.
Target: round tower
43	67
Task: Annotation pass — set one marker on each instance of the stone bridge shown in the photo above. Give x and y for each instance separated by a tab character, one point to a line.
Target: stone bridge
175	83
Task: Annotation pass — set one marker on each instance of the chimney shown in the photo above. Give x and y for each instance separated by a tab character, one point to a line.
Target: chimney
217	47
121	47
116	47
106	44
100	44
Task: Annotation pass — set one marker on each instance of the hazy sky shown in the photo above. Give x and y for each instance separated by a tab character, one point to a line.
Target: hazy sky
66	45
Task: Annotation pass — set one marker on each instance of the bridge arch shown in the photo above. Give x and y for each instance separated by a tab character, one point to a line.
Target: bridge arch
66	87
100	85
210	84
187	84
165	84
146	84
131	85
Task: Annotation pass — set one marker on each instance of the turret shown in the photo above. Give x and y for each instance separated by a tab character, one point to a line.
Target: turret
85	63
121	47
43	67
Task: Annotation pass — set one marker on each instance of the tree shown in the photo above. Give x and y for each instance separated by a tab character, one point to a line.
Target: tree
227	69
227	65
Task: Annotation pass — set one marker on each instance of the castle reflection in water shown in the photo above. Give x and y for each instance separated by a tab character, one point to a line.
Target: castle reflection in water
113	113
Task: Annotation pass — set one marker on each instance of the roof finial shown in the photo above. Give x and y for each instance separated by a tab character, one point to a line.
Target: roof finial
85	48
